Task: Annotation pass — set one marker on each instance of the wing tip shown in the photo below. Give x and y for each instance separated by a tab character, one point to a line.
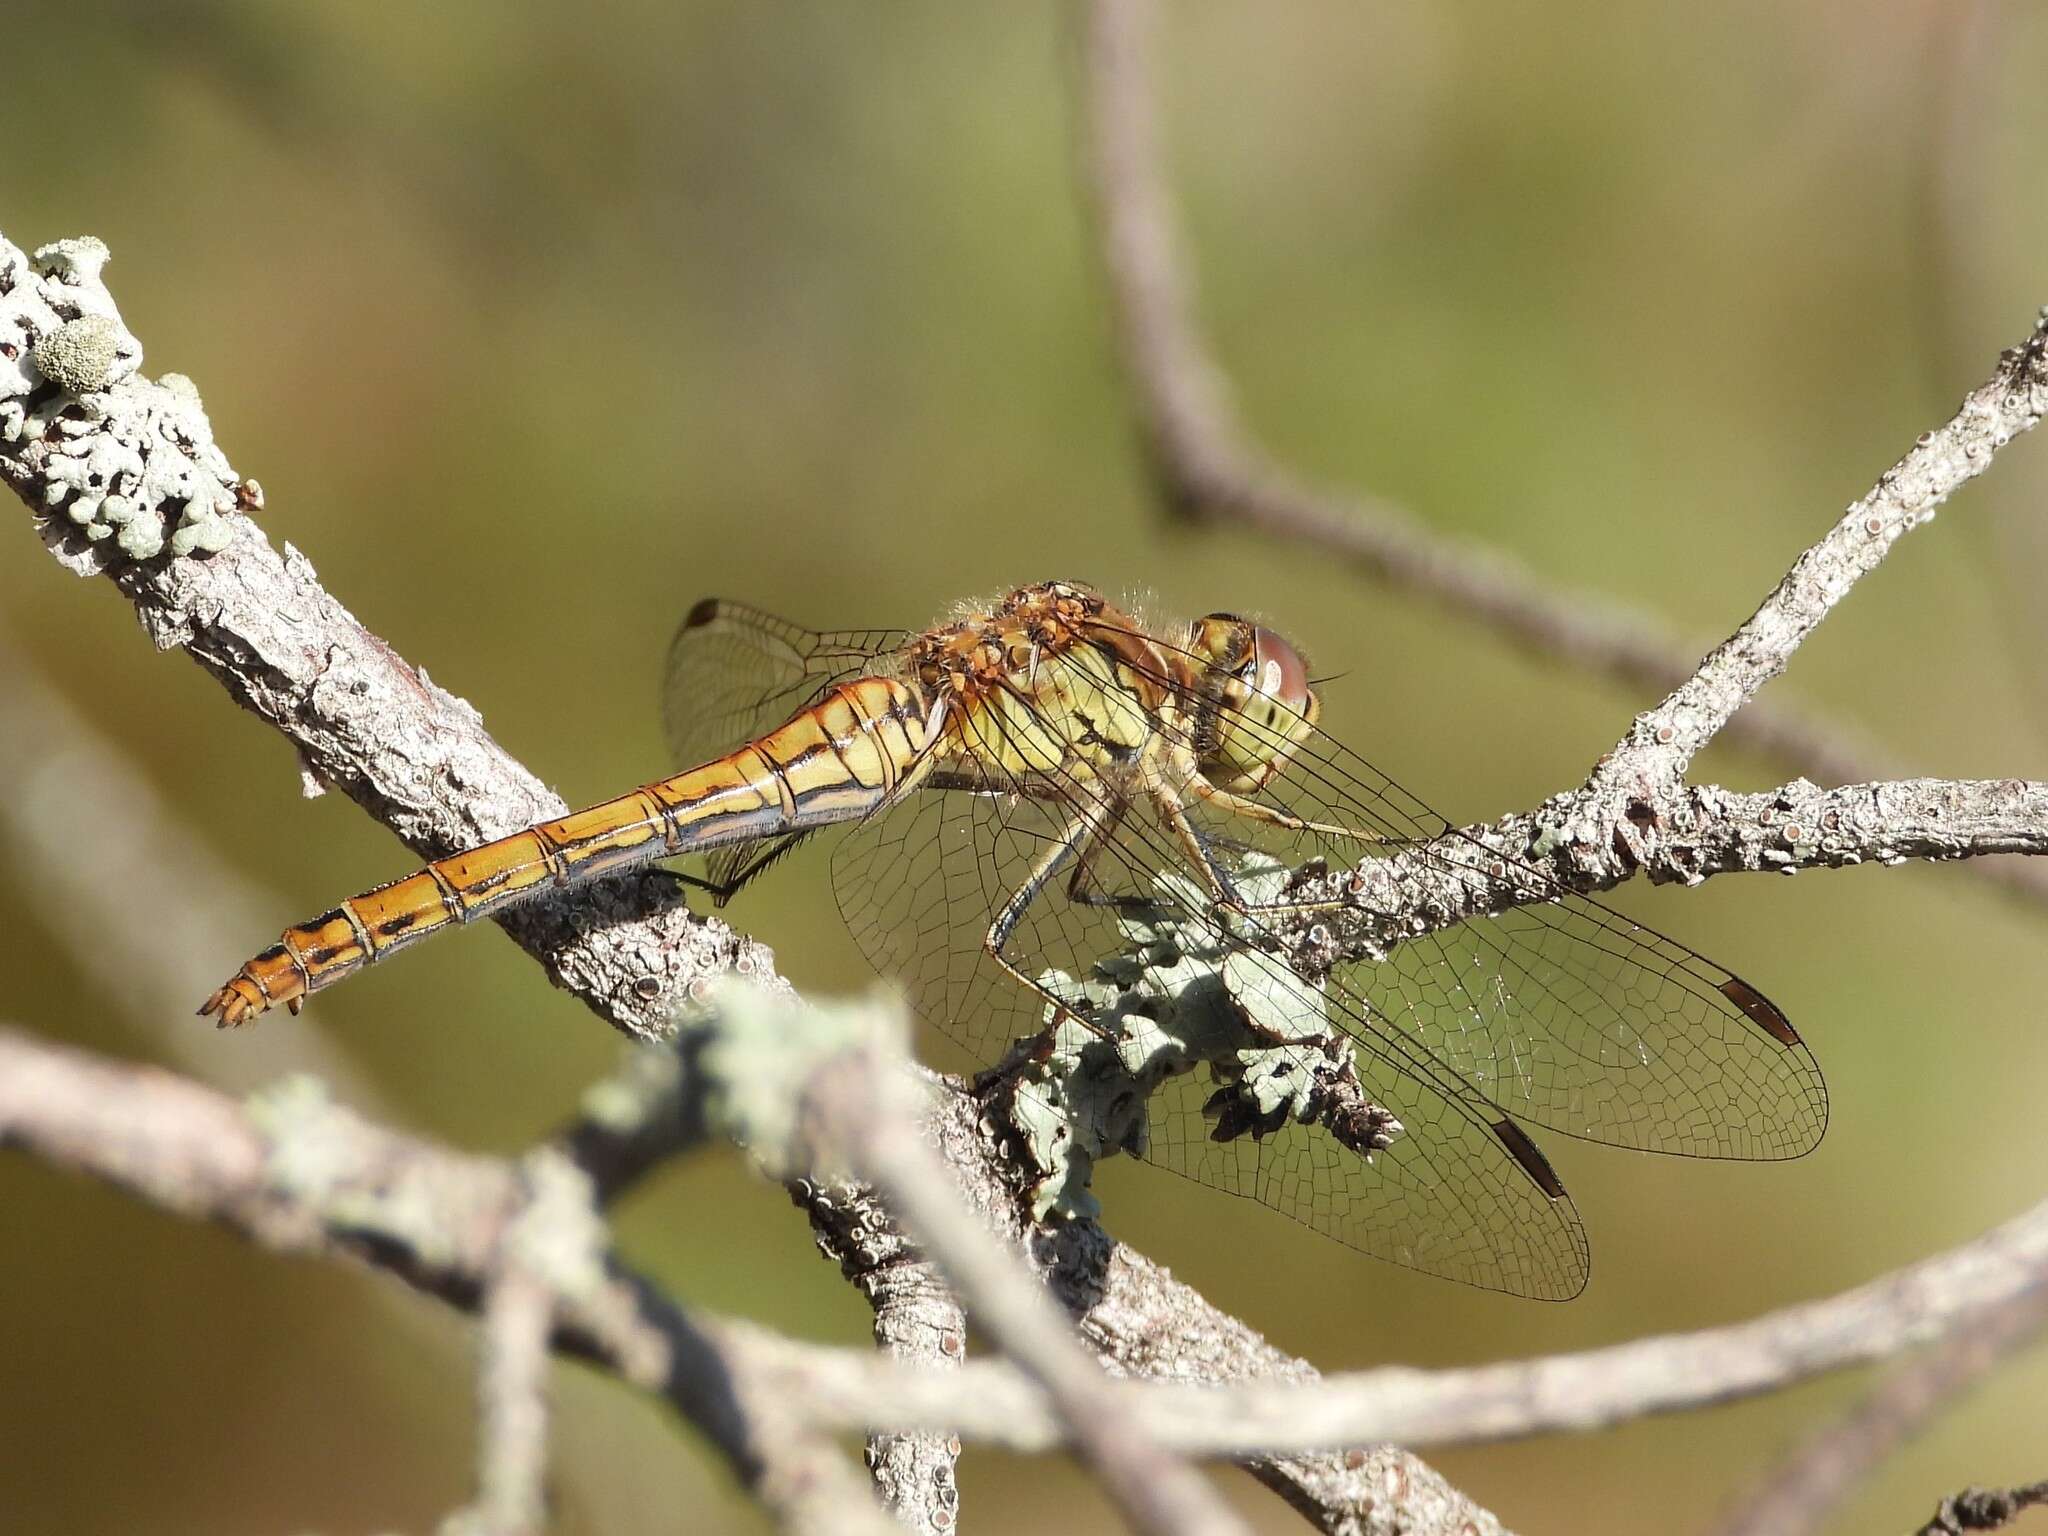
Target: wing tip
705	610
1761	1011
1523	1149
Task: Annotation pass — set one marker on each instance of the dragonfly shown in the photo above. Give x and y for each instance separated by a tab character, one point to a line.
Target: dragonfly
1041	781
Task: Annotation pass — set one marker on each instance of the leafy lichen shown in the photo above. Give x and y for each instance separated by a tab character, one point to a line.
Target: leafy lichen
1181	994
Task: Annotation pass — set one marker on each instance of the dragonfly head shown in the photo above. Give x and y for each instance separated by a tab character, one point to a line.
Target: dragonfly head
1258	704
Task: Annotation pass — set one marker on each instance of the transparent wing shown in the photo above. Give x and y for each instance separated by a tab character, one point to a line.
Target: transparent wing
1456	1195
1561	1013
734	673
920	885
1449	1196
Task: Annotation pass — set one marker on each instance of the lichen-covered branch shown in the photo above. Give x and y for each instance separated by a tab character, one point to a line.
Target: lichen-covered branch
844	1071
1906	496
1595	838
304	1176
360	718
1274	1406
1984	1509
1142	1324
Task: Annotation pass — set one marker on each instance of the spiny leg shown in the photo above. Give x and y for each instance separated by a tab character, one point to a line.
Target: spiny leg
1223	889
1252	810
1077	840
763	855
1081	885
1215	878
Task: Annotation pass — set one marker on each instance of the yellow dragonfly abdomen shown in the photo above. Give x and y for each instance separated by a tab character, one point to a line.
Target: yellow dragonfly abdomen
837	760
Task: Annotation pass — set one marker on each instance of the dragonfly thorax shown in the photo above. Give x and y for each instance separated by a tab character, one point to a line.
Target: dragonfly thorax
1051	681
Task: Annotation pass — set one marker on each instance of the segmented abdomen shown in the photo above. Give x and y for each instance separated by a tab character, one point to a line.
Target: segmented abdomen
836	760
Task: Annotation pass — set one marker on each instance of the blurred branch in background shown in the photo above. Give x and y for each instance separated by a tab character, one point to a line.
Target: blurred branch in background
1211	471
132	898
1805	1489
1976	1284
300	1174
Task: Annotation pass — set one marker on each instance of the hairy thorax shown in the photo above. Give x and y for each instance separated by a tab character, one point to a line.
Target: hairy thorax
1052	680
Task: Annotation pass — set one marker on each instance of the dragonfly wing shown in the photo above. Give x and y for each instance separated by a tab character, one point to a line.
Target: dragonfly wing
1456	1194
1561	1012
920	886
1452	1195
734	673
1568	1015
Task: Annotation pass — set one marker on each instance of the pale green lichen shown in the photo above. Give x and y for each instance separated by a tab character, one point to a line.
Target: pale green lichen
129	463
1180	995
558	1235
643	1086
75	262
311	1152
85	355
315	1156
759	1052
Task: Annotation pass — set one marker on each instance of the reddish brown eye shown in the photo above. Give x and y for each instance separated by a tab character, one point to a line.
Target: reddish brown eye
1278	671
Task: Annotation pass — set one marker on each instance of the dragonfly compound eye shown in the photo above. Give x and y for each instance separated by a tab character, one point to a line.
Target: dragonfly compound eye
1261	704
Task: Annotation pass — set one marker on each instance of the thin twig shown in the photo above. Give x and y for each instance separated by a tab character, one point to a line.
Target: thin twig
649	1110
518	1316
1802	1491
1572	1392
1597	838
1211	470
302	1175
845	1070
1984	1509
1906	496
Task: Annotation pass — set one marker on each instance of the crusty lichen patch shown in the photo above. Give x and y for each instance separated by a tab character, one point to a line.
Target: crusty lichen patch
1179	996
126	463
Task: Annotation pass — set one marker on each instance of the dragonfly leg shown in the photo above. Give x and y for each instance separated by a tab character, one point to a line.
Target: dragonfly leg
1081	885
1252	810
1077	841
722	891
1222	890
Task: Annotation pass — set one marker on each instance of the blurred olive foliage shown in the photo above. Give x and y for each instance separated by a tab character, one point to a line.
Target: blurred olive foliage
539	322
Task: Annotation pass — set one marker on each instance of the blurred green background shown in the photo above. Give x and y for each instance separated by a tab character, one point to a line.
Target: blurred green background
539	322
